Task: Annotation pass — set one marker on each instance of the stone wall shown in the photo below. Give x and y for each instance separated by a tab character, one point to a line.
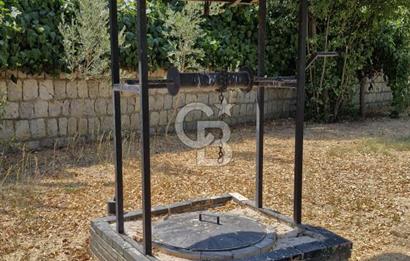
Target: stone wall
42	110
378	96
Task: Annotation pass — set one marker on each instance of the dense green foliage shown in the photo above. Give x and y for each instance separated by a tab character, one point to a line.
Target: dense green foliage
370	35
183	32
157	42
33	41
30	40
86	38
391	54
231	38
358	30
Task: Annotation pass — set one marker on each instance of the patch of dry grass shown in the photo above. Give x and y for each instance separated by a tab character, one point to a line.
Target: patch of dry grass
356	183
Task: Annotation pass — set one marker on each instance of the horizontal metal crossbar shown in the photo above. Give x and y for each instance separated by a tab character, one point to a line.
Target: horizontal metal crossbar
314	57
232	2
276	82
125	87
133	86
206	80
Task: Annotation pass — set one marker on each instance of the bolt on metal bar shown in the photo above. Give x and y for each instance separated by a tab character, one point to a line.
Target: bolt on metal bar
145	135
260	110
300	106
115	75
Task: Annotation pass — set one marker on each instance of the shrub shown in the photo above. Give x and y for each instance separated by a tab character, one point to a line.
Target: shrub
351	27
183	33
86	39
6	26
392	56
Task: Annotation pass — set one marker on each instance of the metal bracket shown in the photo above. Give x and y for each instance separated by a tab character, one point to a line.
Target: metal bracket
235	2
207	7
251	77
317	55
222	81
202	215
129	86
111	207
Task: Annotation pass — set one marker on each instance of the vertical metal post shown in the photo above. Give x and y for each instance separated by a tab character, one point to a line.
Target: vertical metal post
260	110
363	82
145	143
207	7
115	78
300	111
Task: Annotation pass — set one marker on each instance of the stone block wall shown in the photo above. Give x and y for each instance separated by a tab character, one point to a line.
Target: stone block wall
42	110
378	96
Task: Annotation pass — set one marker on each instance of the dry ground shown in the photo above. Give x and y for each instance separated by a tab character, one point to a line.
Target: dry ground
357	183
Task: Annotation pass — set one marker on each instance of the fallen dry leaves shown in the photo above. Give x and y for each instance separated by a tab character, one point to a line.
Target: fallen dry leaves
356	183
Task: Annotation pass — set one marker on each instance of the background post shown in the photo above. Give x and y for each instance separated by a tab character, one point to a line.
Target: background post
260	108
300	111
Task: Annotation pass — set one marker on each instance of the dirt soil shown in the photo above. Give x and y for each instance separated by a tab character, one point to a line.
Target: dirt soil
356	183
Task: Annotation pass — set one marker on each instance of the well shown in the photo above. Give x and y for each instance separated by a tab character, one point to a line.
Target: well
212	228
249	234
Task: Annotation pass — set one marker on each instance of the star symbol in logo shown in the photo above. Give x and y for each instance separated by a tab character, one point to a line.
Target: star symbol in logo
224	108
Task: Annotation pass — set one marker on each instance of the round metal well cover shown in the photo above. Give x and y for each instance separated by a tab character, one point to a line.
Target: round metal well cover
187	232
